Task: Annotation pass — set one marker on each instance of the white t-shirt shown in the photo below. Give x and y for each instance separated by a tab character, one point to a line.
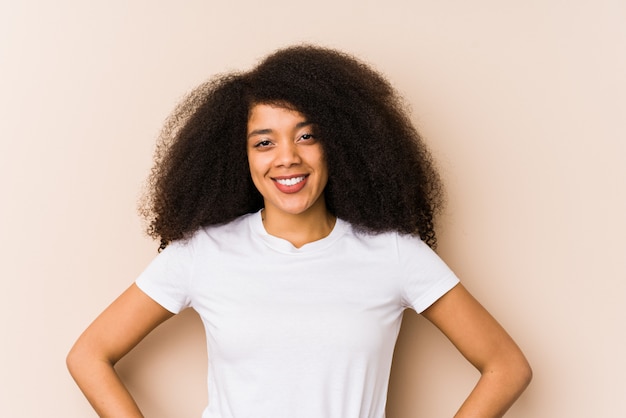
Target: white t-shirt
297	332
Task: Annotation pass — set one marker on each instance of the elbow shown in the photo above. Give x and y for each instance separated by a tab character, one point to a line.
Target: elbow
520	373
73	360
513	371
80	359
525	374
86	358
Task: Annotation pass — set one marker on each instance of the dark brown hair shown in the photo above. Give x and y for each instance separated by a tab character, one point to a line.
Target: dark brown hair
381	175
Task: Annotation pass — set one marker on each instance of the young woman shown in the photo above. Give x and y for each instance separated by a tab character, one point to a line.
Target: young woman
295	206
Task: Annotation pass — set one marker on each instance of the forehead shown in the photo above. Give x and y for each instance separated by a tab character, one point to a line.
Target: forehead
271	116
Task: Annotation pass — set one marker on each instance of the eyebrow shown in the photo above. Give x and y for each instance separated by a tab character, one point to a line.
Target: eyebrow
266	131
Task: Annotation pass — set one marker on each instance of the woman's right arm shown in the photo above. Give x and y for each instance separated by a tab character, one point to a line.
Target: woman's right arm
113	334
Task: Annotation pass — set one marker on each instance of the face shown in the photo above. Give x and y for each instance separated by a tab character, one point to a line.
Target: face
286	161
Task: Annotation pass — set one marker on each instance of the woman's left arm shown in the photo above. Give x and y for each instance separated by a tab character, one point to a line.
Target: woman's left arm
504	370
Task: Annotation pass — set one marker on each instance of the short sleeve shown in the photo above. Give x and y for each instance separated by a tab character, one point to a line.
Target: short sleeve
427	277
167	278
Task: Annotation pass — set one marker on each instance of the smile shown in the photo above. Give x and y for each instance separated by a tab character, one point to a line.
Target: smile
290	185
290	181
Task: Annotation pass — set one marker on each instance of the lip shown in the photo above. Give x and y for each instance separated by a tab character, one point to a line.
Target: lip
294	188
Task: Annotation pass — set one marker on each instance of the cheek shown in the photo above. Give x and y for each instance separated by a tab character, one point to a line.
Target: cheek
256	181
322	164
257	170
252	162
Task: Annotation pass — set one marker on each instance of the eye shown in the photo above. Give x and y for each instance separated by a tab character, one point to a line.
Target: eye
263	144
306	137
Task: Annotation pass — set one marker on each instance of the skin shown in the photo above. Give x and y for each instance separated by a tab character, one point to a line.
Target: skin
281	144
113	334
504	371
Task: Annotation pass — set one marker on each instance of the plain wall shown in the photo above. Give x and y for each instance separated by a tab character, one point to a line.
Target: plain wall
522	103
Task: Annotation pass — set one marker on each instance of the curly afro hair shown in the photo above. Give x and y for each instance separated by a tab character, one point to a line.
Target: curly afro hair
381	175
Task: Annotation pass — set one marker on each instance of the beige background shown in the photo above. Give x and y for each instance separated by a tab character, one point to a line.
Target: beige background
523	104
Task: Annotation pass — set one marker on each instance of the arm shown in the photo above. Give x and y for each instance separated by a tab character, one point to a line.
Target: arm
113	334
505	373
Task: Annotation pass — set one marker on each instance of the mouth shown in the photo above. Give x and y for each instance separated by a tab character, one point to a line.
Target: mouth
290	184
291	181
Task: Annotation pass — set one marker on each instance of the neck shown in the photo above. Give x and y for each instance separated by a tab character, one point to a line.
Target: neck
299	229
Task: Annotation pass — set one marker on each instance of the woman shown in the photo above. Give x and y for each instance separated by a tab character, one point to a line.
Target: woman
295	207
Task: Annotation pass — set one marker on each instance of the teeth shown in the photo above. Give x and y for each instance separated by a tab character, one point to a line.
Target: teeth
291	181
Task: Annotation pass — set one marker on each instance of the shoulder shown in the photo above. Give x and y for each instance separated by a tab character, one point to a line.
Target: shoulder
233	229
389	240
205	240
212	236
409	252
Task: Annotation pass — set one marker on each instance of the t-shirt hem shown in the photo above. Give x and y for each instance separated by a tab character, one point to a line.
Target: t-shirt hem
435	293
158	297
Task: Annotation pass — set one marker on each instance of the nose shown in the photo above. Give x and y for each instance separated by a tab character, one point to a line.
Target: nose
287	154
